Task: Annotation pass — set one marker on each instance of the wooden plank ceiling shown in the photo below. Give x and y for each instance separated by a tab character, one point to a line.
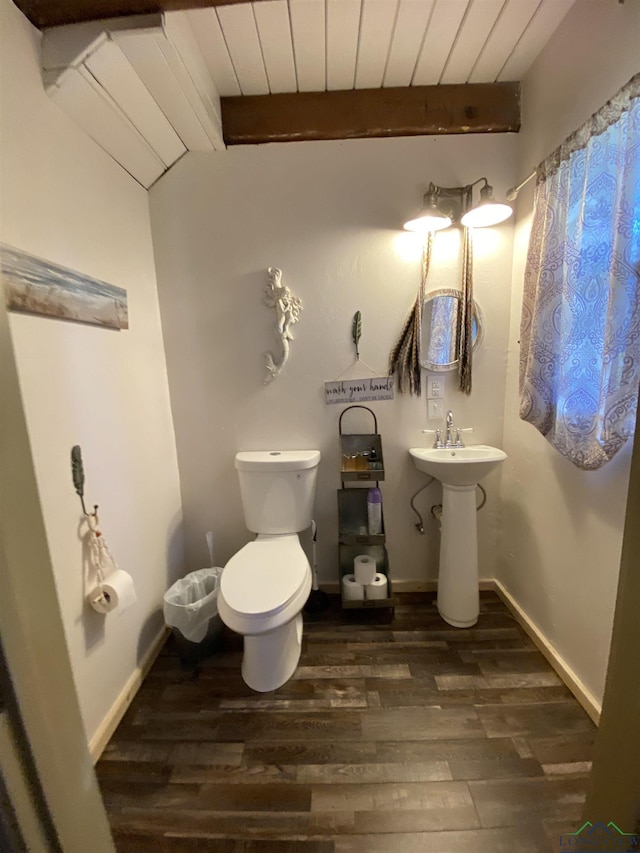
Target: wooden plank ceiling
271	47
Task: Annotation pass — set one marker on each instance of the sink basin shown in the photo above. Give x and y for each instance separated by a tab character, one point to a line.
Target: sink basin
457	466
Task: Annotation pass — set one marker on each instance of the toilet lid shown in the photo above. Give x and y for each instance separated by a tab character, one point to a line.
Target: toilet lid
264	576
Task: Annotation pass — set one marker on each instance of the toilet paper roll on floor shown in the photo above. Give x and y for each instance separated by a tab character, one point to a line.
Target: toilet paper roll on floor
351	589
117	591
364	569
378	588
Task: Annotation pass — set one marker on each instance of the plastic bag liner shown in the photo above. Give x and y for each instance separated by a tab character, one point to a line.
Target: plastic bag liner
192	602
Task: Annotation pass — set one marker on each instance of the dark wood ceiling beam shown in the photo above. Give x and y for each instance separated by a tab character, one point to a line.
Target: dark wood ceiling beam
53	13
411	111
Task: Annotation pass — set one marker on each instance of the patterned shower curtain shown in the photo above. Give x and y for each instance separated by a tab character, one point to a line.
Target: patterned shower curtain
580	329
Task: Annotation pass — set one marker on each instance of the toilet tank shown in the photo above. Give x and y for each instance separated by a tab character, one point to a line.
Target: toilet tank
278	489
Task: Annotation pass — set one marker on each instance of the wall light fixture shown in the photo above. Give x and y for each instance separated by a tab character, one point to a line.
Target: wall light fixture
445	206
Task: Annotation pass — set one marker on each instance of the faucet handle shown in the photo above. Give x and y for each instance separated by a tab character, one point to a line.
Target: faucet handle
459	441
438	434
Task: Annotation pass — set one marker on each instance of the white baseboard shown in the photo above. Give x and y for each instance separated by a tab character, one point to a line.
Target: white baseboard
407	586
398	586
559	664
105	730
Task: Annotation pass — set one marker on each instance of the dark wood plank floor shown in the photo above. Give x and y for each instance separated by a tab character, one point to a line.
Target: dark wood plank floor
406	737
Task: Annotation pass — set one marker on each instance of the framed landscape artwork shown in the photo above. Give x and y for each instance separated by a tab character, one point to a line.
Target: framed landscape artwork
36	286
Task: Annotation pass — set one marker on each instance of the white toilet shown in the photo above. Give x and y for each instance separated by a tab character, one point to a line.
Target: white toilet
265	585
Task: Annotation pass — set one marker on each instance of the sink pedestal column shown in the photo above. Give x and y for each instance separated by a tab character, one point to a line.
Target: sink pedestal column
458	596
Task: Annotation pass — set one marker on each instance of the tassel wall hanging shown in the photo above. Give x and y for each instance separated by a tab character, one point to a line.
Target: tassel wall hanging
404	359
465	317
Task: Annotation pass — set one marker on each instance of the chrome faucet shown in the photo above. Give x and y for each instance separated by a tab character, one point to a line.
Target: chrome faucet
452	435
449	440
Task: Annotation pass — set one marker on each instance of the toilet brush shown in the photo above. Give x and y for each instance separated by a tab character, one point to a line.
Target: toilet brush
209	537
318	599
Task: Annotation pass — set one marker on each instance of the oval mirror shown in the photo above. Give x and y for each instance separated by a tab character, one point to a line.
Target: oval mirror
439	333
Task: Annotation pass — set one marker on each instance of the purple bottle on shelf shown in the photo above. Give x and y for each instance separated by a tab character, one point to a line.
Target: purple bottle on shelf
374	511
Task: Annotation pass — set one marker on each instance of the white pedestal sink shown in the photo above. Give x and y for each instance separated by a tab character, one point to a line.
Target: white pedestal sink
459	469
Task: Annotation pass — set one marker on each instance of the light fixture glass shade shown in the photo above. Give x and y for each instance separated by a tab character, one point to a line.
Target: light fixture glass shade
430	220
487	212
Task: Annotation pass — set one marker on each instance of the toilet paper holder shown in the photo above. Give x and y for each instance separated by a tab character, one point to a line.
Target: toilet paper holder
113	588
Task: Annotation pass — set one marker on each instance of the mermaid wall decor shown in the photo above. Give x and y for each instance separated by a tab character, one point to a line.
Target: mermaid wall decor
288	308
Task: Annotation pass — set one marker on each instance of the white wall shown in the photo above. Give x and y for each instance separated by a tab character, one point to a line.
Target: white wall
329	214
65	200
562	527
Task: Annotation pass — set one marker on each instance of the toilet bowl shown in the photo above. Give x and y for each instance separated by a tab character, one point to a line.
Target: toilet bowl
263	589
265	585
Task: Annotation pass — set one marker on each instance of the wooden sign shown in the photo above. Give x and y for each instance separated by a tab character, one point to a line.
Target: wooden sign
358	390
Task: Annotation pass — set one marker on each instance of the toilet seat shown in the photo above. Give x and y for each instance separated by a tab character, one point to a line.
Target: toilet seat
264	576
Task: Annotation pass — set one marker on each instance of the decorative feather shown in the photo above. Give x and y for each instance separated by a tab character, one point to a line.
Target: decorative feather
356	331
77	470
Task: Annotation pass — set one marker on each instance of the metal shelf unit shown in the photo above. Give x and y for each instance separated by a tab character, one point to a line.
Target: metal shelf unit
354	537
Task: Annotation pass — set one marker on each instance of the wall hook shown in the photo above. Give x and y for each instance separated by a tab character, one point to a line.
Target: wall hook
77	472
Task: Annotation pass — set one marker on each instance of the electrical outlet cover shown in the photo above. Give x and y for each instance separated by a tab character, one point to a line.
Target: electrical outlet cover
435	387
